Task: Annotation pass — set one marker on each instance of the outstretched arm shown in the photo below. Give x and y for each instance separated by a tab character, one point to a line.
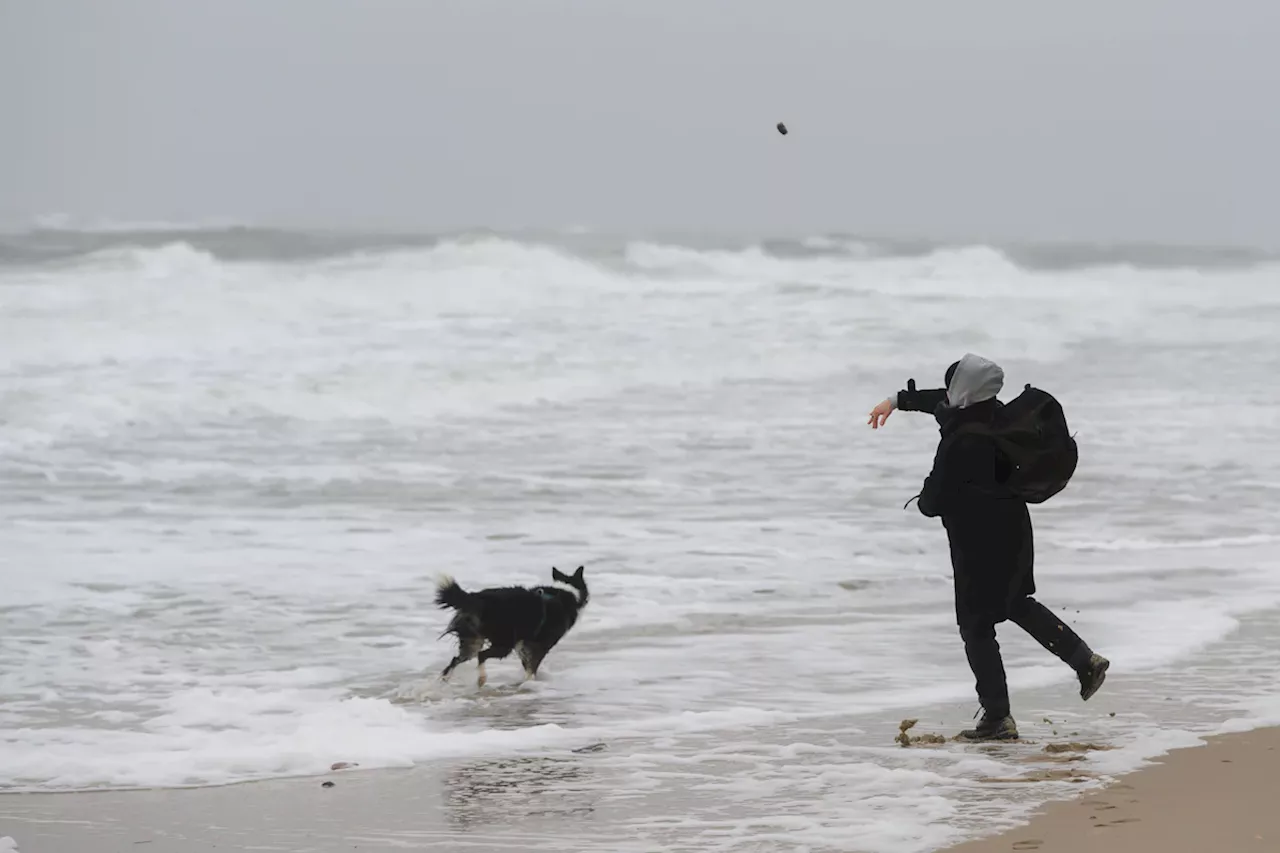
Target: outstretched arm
919	400
911	399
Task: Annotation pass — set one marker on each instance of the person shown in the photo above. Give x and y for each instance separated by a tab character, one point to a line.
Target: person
990	537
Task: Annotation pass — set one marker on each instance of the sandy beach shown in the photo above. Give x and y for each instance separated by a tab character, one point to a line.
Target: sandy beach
1220	797
1215	797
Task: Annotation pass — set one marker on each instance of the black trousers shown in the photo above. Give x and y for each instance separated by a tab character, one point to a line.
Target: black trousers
983	651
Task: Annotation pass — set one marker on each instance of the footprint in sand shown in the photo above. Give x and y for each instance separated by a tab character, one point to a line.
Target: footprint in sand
1029	844
1120	820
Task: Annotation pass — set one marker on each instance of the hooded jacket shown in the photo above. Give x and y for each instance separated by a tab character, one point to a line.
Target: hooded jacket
988	527
975	380
965	467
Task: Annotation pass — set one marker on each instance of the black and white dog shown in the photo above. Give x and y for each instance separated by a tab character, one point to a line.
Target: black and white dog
511	617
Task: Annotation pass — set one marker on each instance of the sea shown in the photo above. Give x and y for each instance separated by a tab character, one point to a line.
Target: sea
234	462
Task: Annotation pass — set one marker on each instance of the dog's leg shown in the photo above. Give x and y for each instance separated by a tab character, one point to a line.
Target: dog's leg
457	659
491	652
531	655
468	647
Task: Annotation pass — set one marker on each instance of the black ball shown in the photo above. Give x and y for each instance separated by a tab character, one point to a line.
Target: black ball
782	128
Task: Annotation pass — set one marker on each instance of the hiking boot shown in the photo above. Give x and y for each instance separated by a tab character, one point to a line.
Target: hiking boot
1092	675
992	728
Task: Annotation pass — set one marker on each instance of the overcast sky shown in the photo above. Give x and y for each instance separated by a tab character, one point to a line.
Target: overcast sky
1117	120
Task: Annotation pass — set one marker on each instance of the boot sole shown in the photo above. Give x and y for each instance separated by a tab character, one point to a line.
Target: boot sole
1099	676
1005	735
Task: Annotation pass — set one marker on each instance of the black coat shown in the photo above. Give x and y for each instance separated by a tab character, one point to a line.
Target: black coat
988	527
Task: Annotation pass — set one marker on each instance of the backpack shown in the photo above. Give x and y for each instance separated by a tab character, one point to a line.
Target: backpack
1031	430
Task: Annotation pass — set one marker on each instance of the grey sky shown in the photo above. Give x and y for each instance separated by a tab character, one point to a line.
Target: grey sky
1125	120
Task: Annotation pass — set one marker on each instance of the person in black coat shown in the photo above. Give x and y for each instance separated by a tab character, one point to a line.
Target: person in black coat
989	531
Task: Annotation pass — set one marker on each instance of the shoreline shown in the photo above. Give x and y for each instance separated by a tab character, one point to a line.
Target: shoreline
1210	795
1215	796
827	785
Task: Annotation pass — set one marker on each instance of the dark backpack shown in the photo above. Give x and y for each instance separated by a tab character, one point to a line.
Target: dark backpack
1031	430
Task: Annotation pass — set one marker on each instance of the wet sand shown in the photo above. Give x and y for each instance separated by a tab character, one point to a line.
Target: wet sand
501	805
1218	798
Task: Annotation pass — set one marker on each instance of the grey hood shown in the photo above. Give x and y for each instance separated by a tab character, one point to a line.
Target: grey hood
976	379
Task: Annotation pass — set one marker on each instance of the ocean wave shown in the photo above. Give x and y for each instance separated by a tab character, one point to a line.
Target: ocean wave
1139	544
229	476
63	242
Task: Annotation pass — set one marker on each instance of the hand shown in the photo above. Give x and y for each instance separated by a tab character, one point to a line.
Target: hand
880	414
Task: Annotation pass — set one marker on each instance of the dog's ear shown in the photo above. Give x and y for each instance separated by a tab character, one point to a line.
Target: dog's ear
557	575
578	574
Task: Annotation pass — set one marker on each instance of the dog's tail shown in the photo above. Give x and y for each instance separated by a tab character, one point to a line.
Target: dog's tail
450	595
